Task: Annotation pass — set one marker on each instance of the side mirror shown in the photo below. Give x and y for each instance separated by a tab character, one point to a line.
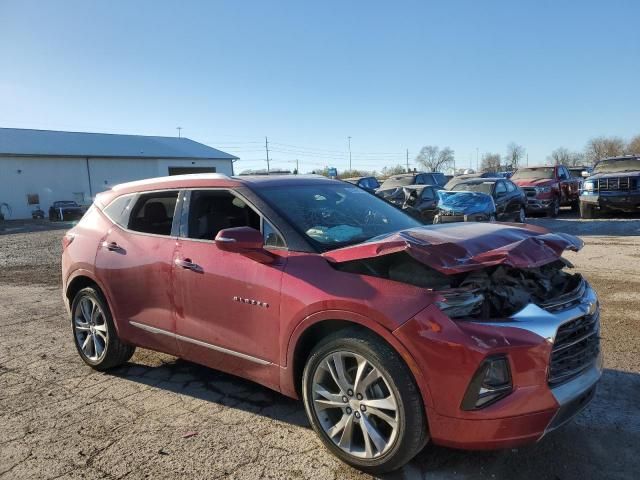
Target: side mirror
246	241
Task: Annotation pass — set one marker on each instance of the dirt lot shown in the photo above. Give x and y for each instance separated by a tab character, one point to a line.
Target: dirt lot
160	417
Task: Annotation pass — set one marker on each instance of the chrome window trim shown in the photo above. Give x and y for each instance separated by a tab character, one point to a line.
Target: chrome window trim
160	331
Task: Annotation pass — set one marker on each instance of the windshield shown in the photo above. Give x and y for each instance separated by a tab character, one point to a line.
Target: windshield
334	216
67	203
439	178
532	173
483	187
626	165
399	181
464	200
576	172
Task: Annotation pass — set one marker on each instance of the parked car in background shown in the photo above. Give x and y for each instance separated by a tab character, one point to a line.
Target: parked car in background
548	188
510	201
406	179
464	207
65	210
614	184
370	184
467	176
419	201
394	334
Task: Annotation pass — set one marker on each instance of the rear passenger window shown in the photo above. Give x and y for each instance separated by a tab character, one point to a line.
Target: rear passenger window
119	209
153	213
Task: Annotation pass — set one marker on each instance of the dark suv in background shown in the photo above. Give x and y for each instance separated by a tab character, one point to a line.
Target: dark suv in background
614	184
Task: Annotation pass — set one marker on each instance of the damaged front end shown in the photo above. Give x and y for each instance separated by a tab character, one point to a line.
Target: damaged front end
501	274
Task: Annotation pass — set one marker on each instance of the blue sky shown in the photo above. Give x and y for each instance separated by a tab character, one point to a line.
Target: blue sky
392	75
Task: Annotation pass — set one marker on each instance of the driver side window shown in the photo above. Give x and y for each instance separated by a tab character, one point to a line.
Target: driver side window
213	210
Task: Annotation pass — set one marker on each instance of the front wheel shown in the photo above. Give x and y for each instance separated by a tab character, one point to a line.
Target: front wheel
94	334
363	403
554	209
521	216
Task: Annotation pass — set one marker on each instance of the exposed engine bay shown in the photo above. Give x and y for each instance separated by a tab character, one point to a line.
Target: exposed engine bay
492	292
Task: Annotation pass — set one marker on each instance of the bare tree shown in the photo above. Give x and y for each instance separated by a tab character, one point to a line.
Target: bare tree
388	171
435	160
515	153
633	148
491	162
564	156
603	147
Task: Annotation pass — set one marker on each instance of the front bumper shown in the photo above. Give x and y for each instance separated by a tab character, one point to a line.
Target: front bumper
449	352
538	205
622	200
472	217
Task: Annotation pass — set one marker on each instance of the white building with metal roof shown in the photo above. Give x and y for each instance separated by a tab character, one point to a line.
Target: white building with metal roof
39	167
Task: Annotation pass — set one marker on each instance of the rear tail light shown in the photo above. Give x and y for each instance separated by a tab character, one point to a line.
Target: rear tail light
490	383
67	239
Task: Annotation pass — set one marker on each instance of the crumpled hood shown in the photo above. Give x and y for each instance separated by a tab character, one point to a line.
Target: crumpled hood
463	247
534	182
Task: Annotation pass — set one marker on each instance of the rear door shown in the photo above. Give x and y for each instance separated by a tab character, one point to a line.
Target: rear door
229	305
501	199
135	264
429	200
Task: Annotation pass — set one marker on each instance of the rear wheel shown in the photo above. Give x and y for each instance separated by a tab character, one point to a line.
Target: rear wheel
588	210
363	403
94	334
522	215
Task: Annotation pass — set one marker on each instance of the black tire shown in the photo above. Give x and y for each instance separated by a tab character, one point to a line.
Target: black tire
115	352
588	211
554	208
412	432
575	206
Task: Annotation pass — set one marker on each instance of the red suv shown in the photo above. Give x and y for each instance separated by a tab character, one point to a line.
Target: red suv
393	333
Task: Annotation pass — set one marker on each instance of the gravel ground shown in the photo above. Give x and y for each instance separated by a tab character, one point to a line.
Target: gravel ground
161	417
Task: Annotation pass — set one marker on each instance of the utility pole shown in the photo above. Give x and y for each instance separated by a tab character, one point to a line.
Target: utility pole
266	147
407	160
349	153
477	161
179	131
297	167
527	159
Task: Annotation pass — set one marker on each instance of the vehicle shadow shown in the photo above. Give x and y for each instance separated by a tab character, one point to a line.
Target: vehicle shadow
612	224
602	438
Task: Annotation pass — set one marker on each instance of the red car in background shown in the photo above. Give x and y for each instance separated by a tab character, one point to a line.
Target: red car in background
392	333
548	188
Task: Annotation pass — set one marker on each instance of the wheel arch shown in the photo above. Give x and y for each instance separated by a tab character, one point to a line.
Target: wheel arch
82	279
317	326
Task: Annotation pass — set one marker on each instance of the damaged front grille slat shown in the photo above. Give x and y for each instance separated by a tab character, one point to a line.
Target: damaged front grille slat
576	348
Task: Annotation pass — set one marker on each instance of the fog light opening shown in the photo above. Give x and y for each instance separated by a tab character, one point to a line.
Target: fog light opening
491	382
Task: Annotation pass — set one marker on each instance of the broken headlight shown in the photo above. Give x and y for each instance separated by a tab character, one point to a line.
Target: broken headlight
458	304
491	382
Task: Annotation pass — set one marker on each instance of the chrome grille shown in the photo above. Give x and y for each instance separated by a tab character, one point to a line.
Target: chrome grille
617	184
576	347
529	191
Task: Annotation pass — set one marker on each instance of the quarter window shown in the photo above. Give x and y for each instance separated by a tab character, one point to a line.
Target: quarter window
119	209
153	213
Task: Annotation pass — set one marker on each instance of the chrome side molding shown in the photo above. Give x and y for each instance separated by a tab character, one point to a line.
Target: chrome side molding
159	331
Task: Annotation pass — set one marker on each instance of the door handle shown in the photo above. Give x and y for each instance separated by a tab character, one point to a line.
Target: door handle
187	264
112	246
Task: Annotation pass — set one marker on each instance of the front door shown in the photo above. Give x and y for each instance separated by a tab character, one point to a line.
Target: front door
229	305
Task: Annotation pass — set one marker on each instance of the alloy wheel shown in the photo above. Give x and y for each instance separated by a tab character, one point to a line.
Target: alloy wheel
90	329
355	405
522	215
